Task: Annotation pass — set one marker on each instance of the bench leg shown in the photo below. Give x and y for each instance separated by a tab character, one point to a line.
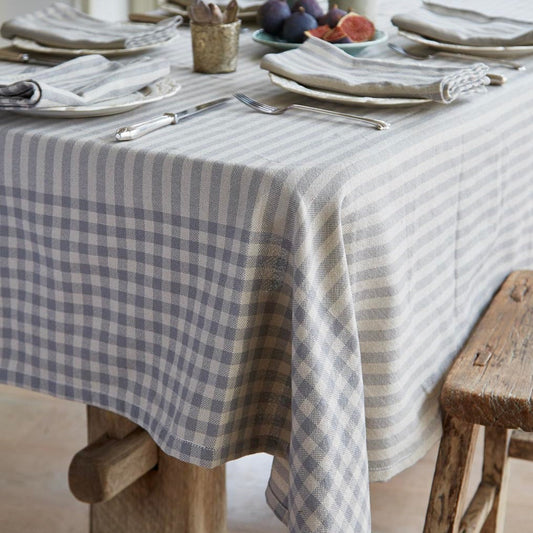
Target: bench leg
454	460
175	497
496	473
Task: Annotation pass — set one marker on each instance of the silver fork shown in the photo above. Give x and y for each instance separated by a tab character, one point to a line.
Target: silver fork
271	110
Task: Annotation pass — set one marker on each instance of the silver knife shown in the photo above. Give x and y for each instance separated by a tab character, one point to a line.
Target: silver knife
142	128
22	57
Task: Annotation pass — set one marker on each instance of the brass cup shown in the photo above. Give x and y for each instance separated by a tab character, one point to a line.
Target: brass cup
215	47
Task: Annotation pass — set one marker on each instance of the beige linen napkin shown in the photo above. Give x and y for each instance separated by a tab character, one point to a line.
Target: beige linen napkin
63	26
518	10
322	65
80	81
475	23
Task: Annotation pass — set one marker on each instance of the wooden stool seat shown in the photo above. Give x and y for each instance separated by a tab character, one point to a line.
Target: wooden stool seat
489	384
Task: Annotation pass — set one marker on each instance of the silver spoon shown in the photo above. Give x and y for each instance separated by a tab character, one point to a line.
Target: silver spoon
419	54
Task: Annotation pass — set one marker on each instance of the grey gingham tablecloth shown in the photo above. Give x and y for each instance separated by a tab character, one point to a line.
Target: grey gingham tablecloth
241	283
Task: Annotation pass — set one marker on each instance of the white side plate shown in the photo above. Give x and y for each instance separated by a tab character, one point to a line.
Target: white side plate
154	92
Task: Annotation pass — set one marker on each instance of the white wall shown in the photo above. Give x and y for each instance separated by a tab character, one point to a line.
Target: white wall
108	9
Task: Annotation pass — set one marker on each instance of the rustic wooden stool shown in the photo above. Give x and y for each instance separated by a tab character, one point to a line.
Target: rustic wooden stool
489	384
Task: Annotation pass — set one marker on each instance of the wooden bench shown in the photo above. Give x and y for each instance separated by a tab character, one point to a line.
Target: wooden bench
490	384
132	486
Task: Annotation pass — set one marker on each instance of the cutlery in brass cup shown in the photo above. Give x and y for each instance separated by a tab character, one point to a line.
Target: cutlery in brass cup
215	47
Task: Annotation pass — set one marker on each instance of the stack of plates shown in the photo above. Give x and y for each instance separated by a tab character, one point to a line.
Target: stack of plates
487	51
342	98
489	28
31	46
154	92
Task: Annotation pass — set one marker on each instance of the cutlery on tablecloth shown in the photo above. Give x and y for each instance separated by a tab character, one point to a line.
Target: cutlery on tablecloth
271	110
135	131
428	53
8	54
495	79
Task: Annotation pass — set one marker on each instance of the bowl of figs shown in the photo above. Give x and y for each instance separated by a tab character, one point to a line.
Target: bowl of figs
286	24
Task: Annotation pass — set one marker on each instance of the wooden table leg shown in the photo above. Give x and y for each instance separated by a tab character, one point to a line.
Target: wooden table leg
175	497
454	460
496	473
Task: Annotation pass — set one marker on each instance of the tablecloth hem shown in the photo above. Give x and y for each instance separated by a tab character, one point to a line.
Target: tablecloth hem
276	505
386	473
176	447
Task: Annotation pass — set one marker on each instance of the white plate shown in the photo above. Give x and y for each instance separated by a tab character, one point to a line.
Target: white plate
158	90
341	98
32	46
486	51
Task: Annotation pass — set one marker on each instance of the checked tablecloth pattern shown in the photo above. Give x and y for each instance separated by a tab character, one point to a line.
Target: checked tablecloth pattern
241	283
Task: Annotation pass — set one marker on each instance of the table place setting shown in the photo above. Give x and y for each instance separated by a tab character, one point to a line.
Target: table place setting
63	30
89	85
487	28
321	66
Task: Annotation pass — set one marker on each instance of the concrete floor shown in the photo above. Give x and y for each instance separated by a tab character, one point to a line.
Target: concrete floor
40	434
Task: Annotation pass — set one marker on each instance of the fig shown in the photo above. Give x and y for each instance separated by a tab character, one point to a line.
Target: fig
336	36
357	27
311	7
296	25
334	15
272	14
318	32
323	19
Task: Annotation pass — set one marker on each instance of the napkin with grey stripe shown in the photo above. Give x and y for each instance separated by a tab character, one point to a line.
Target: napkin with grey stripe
322	65
80	81
63	26
476	23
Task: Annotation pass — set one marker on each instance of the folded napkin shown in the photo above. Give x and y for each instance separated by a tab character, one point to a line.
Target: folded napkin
517	10
63	26
476	23
320	64
81	81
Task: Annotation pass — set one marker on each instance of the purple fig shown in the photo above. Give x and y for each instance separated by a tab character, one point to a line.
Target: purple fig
272	14
296	25
312	7
322	20
334	15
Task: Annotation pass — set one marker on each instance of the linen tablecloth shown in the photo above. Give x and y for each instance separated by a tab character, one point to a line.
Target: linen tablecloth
241	282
